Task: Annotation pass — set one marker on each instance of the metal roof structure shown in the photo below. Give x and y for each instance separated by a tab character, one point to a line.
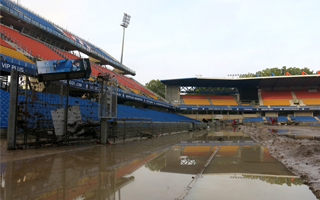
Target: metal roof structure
259	82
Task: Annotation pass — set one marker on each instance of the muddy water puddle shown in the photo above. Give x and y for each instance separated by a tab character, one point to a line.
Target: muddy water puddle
168	167
295	134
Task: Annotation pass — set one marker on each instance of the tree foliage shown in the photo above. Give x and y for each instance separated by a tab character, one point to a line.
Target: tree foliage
279	71
157	87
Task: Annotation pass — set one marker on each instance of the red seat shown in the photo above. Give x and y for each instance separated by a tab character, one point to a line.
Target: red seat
5	44
37	48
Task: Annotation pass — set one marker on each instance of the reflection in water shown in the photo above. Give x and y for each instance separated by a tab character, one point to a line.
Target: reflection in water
117	172
94	173
294	134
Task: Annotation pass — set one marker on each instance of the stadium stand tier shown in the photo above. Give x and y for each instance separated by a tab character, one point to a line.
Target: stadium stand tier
304	119
5	44
253	119
280	118
195	100
222	100
37	49
308	98
273	98
88	109
23	43
307	95
127	83
13	53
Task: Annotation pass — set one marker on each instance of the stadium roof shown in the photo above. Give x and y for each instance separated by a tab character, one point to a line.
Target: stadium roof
260	82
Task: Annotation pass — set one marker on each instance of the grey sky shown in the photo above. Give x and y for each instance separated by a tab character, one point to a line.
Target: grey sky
179	39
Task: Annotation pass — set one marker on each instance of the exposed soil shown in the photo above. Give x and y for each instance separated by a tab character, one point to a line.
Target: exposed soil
301	156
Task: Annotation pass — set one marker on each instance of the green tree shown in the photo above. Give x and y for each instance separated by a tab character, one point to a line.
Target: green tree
157	87
278	71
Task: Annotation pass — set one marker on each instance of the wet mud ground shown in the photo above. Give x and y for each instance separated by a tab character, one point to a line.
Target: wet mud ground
208	164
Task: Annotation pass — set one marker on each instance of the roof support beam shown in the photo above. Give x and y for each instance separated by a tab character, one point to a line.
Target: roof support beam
309	82
293	82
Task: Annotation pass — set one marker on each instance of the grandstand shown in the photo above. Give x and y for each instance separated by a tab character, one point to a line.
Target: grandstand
26	38
255	100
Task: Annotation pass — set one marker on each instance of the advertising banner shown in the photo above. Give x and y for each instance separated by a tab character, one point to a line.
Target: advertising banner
63	69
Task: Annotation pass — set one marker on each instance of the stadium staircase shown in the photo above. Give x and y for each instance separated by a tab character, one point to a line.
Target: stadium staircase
293	95
209	101
264	119
236	100
317	118
182	101
260	99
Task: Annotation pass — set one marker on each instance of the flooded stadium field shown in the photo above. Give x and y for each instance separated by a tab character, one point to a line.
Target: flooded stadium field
209	164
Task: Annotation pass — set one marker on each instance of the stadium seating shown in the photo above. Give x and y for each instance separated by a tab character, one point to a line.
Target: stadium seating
300	94
222	100
125	81
308	98
253	119
94	71
276	94
88	109
4	108
311	102
304	119
276	102
280	118
37	48
5	44
13	53
195	100
276	97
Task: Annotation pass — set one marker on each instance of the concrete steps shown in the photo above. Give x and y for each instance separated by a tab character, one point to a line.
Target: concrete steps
209	100
260	99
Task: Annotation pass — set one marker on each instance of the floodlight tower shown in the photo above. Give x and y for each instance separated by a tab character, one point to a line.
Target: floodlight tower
124	24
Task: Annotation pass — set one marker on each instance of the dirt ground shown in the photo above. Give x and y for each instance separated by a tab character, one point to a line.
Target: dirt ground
301	156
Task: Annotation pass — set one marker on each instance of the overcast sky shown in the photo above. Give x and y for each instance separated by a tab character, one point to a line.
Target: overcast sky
169	39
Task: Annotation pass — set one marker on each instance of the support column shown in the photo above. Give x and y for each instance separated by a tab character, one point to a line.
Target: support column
13	102
104	131
66	114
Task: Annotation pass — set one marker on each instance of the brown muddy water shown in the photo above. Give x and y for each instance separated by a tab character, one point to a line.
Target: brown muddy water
209	164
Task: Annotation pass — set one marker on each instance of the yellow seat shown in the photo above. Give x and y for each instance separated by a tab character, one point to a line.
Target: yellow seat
272	102
223	102
13	53
196	102
311	101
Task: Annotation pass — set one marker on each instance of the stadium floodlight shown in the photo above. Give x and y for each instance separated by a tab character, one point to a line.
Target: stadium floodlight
125	23
125	20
